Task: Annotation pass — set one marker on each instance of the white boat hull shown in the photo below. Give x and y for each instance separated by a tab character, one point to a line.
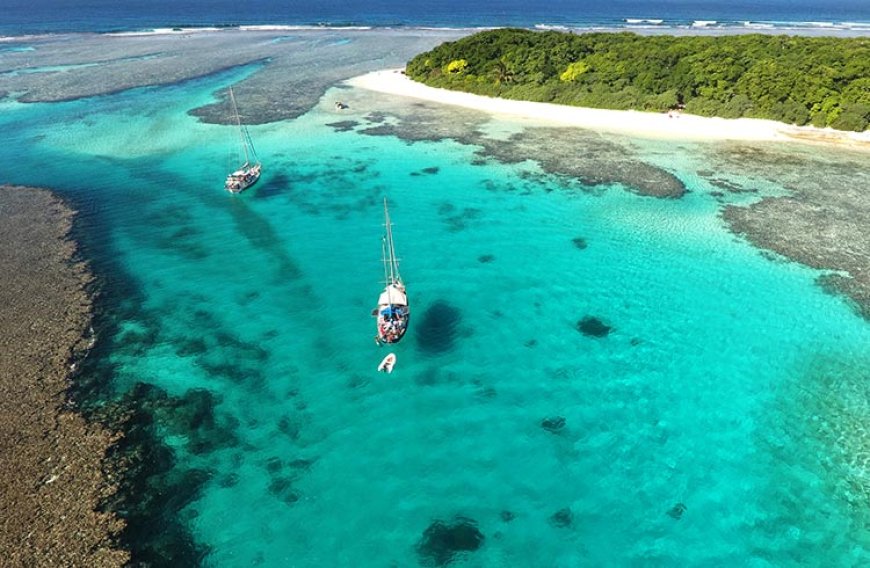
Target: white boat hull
242	179
387	364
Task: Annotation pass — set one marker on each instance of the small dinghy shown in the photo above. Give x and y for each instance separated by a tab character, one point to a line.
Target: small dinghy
387	364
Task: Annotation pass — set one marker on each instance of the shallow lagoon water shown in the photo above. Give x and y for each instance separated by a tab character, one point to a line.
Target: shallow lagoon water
687	433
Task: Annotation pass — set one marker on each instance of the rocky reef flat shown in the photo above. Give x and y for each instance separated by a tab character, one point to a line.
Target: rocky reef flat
51	458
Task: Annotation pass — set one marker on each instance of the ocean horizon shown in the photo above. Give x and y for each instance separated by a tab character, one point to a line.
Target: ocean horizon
592	375
850	17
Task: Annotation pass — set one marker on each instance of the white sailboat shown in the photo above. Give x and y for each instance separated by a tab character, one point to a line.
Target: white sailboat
248	173
393	312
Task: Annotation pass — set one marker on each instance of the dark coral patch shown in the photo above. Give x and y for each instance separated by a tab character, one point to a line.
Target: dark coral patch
437	329
442	542
301	464
187	347
553	424
376	117
191	415
488	392
343	125
676	512
446	208
485	258
427	171
282	488
155	485
507	516
580	243
183	241
271	334
457	220
249	297
135	342
289	428
593	327
274	465
238	374
562	518
732	187
246	349
230	480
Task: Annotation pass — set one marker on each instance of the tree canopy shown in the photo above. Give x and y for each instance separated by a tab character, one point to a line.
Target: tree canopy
823	81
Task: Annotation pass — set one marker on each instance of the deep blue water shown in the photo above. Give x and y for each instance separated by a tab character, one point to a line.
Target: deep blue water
52	16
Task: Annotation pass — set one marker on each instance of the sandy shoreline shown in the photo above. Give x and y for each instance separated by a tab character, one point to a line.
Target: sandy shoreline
820	223
634	123
51	459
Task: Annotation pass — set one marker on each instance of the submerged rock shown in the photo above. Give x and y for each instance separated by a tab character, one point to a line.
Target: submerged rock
343	125
441	542
230	480
562	518
676	512
274	465
593	327
553	424
427	171
282	488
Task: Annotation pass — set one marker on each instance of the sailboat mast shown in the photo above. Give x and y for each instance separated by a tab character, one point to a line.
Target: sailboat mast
242	140
394	263
387	280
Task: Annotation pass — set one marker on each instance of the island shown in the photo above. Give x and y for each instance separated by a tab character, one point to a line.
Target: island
823	81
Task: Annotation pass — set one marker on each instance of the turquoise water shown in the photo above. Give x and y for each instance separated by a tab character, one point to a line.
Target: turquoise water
708	392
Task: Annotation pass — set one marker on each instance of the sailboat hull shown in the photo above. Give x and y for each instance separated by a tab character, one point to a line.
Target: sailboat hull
242	179
392	330
247	174
393	312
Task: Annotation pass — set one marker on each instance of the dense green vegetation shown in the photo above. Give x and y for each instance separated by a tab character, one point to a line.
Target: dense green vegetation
822	81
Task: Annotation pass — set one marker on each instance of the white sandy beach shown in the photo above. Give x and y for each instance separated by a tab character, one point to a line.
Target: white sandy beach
635	123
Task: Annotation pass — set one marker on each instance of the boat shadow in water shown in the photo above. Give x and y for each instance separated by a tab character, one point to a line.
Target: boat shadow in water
276	185
260	233
438	328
